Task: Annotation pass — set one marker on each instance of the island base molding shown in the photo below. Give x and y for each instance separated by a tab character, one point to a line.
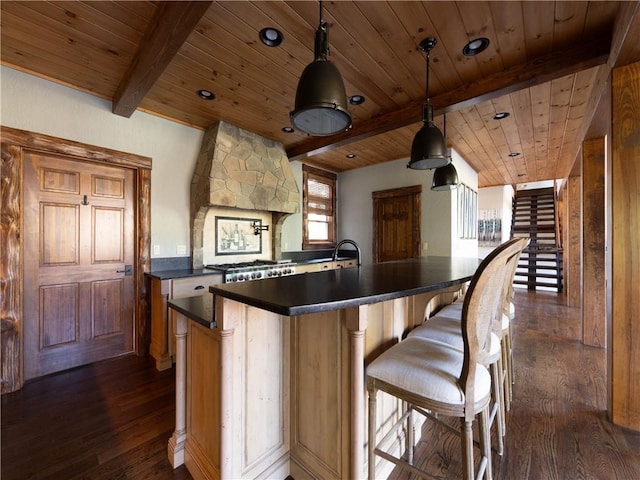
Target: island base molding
268	396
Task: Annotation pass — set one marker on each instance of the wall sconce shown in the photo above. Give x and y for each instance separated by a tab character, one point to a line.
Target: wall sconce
258	228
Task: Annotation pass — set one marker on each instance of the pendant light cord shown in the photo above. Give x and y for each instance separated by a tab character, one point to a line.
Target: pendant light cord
321	47
426	45
427	63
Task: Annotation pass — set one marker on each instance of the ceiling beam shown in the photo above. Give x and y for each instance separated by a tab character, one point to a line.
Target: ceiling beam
534	72
168	30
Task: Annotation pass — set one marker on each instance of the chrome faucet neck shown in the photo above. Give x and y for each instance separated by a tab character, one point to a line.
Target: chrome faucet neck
352	242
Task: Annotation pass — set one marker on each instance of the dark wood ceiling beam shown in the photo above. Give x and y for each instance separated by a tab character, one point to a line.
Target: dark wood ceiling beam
168	30
535	72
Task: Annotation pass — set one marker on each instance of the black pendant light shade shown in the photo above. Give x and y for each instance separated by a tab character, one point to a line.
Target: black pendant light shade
429	149
321	101
445	178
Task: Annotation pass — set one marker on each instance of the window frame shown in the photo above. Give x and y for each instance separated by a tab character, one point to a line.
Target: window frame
330	179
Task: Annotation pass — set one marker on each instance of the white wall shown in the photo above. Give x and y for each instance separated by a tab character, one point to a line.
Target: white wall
37	105
438	222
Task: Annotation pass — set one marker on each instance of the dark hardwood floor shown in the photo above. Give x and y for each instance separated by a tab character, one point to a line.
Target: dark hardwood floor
109	420
557	428
112	420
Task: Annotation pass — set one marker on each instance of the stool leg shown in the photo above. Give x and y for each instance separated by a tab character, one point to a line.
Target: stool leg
485	442
410	435
372	432
507	363
497	409
467	446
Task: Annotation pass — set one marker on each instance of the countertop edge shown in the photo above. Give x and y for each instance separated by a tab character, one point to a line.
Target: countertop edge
198	308
295	310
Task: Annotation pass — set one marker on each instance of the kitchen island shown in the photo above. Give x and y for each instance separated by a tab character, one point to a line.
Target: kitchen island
270	373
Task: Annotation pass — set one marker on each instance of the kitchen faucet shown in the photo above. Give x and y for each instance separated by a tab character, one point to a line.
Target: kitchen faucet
352	242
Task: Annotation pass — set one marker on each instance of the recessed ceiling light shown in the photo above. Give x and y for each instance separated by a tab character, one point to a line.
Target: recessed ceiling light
271	37
514	154
356	99
350	155
501	115
206	94
476	46
287	129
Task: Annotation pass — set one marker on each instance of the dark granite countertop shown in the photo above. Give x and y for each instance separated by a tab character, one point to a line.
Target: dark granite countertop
182	273
348	287
198	309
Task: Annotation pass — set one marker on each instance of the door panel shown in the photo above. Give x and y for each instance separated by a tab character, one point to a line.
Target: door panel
107	314
396	224
59	227
107	233
58	315
79	235
396	228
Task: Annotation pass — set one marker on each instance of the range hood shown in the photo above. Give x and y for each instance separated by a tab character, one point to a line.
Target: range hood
240	169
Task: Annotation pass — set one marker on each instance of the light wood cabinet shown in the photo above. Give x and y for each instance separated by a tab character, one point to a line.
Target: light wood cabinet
346	263
269	396
162	347
329	265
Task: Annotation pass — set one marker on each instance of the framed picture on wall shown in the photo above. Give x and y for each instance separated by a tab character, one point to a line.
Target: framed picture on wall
236	236
489	228
467	212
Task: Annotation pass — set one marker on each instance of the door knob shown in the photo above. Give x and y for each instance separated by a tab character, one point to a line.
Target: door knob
128	270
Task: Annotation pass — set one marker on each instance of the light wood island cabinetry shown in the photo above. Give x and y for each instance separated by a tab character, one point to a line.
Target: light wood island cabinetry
270	374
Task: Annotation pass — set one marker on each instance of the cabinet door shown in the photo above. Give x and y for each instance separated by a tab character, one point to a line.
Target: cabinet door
188	287
193	286
307	268
346	263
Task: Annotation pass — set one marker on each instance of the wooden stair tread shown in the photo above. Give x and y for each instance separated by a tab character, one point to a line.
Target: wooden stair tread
534	216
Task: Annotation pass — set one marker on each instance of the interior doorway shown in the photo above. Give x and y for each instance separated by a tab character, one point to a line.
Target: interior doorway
396	223
79	248
16	225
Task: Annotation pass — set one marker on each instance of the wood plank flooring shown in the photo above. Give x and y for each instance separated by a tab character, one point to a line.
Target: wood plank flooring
112	420
108	420
557	428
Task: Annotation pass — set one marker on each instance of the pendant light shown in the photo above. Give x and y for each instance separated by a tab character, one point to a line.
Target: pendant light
428	149
445	178
321	101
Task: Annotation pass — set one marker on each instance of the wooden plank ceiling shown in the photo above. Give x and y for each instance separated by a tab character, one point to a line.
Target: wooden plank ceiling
546	65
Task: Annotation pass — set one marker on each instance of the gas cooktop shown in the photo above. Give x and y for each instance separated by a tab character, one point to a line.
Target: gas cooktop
254	270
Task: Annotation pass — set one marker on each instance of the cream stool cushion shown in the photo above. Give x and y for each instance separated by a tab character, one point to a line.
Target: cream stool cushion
428	368
449	330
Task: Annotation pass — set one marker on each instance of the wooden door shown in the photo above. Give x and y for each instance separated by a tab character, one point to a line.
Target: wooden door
78	271
396	224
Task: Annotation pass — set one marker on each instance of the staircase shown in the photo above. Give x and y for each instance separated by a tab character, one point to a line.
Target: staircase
534	216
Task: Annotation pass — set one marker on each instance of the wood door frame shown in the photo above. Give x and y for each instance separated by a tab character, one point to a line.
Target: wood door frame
14	142
416	192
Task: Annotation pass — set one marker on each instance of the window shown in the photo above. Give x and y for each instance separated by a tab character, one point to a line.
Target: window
319	208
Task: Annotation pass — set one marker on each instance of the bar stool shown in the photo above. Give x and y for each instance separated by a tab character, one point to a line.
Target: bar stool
446	327
437	379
